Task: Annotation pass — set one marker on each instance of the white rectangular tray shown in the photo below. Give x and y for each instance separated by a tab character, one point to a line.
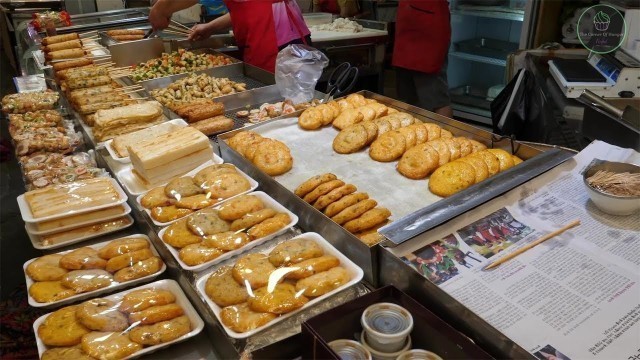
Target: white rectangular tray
181	299
36	240
354	271
253	183
126	160
31	227
269	202
27	216
113	286
134	185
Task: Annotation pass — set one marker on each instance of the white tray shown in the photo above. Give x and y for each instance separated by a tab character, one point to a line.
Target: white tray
196	322
36	240
253	183
270	203
27	216
354	271
126	160
134	185
31	227
113	286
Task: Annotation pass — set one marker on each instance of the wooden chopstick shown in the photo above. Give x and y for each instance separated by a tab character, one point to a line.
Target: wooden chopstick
180	25
535	243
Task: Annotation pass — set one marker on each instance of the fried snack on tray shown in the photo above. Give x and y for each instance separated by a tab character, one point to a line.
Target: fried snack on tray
21	103
343	204
177	62
269	155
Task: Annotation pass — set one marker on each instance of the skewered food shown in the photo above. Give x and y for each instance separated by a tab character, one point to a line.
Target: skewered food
127	37
71	64
177	62
59	38
25	102
125	32
195	87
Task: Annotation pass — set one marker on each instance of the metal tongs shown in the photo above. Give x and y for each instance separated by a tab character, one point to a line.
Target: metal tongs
341	80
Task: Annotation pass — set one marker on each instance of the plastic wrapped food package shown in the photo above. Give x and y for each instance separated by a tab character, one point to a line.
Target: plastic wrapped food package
25	102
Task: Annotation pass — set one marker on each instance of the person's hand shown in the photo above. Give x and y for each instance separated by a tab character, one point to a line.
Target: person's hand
200	32
158	19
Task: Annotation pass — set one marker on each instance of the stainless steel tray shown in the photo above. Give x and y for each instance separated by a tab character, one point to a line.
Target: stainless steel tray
492	48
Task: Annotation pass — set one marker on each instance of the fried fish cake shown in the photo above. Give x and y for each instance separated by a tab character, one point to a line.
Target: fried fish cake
120	262
238	207
251	219
82	258
383	125
122	246
479	166
310	119
240	318
350	139
313	183
155	198
224	186
368	220
227	241
380	109
368	113
322	189
452	178
206	222
344	105
354	211
346	201
445	134
372	131
323	282
101	315
409	134
202	177
156	314
65	353
294	251
253	269
465	145
282	299
223	289
405	118
196	254
335	107
165	214
356	100
422	136
87	280
244	139
492	161
418	162
109	345
312	266
371	236
516	160
46	268
327	114
269	226
433	131
477	146
334	195
196	202
505	159
160	332
49	291
273	157
388	146
143	299
178	235
138	270
182	187
454	148
62	328
394	122
444	154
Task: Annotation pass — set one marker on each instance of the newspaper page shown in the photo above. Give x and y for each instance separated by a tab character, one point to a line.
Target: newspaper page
575	296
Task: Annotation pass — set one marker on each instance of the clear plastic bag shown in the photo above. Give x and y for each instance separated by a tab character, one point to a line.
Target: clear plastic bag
298	68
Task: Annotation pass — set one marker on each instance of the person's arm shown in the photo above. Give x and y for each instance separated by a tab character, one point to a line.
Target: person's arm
161	11
203	31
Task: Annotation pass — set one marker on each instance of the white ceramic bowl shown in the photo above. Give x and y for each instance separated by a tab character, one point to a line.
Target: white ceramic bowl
386	326
612	204
379	355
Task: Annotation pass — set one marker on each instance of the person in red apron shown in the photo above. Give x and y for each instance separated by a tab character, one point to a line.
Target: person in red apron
423	34
261	28
344	8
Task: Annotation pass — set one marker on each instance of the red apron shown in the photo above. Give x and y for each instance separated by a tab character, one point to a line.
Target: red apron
254	31
330	6
423	33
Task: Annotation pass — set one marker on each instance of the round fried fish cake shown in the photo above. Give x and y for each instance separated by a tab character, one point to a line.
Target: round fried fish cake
477	146
143	299
454	148
155	197
368	113
409	134
101	315
313	183
505	159
381	109
223	289
182	187
388	146
138	270
122	246
422	136
327	113
120	262
465	145
178	235
196	254
372	131
165	214
451	178
82	258
238	207
253	269
405	118
492	161
251	219
479	166
350	139
109	345
282	299
269	226
160	332
46	268
368	220
445	134
244	139
206	222
224	186
87	280
196	202
227	241
62	328
334	195
294	251
240	318
444	154
313	266
156	314
273	157
322	189
65	353
49	291
323	282
356	100
310	119
354	211
433	131
383	125
418	162
516	160
346	201
203	176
